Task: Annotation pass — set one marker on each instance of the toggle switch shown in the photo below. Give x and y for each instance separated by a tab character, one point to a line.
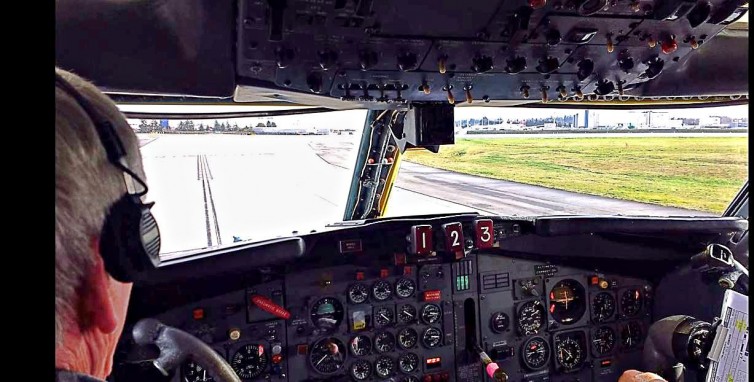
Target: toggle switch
469	97
525	91
441	64
451	97
610	45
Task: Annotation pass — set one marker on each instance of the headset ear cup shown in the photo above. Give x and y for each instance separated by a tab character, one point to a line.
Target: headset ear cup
113	243
130	241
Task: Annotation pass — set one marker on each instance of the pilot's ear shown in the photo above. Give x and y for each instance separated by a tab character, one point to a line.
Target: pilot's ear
97	309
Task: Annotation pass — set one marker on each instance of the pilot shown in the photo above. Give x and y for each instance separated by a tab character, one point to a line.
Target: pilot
90	305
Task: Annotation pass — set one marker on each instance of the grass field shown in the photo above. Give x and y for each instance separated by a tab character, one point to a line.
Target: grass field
699	173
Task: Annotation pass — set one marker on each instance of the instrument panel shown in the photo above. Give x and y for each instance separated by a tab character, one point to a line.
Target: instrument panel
413	314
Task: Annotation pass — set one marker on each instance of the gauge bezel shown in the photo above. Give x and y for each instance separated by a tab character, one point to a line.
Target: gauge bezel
593	332
399	310
580	337
507	324
409	354
581	287
642	299
439	314
354	285
363	362
334	339
339	316
546	344
424	333
389	290
221	352
394	341
593	297
398	338
389	309
236	349
350	346
520	307
392	371
620	335
413	290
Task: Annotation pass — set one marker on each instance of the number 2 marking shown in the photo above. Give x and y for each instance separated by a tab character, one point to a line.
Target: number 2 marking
454	235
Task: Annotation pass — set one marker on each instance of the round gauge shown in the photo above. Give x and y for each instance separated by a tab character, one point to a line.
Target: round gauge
603	307
569	354
193	372
360	345
631	335
410	378
249	361
381	290
535	353
383	316
357	293
406	313
567	301
407	338
384	366
405	288
327	313
408	362
361	370
499	322
327	355
630	302
431	337
431	314
531	317
603	340
384	342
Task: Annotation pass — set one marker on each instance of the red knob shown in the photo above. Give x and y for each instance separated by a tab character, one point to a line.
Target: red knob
536	4
669	46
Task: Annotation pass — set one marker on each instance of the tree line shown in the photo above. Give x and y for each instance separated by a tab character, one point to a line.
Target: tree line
154	126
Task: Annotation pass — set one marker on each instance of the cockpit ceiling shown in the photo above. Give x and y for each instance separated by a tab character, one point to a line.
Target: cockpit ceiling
346	54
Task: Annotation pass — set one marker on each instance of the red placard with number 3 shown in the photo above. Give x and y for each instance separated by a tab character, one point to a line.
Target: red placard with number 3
485	236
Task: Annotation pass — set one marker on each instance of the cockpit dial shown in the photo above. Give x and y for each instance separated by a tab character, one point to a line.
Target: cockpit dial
193	372
603	307
381	290
535	353
631	302
531	317
567	301
404	288
327	313
327	355
357	293
249	361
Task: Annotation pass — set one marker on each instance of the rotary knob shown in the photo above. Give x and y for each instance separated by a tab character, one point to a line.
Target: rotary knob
548	65
586	67
553	37
604	87
481	64
327	59
368	59
515	65
407	61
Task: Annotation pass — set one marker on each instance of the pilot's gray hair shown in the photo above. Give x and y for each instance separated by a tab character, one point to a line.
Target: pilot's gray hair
86	185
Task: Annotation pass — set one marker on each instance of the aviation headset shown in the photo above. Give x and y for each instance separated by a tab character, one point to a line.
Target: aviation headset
130	239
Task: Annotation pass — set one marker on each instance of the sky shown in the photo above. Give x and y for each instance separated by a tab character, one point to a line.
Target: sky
355	118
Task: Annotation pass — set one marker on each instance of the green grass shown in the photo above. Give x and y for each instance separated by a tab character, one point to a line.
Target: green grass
699	173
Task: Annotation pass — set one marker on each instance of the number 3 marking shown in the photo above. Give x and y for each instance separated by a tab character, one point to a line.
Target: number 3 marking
486	234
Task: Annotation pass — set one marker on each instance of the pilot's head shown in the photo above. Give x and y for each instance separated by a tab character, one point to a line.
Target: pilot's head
90	306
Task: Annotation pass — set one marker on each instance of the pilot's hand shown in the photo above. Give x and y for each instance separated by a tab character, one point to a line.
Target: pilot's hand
640	376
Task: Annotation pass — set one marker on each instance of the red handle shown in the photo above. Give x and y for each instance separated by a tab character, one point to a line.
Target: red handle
270	307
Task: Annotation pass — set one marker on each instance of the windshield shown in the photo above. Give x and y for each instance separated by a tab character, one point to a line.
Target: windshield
216	182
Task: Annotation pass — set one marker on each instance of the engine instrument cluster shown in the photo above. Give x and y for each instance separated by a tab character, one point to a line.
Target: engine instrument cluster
412	312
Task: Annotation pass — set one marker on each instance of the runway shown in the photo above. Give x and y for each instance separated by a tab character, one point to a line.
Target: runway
211	188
